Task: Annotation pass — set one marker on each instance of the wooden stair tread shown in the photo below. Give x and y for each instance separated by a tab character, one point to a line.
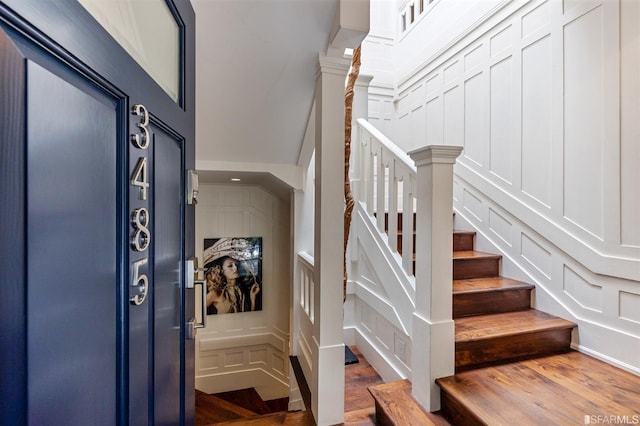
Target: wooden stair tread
396	406
506	324
247	398
474	254
555	389
487	284
463	232
289	418
211	409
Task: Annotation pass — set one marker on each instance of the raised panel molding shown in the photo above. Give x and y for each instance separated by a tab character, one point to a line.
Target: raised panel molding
475	96
474	58
583	122
587	295
605	307
502	41
501	121
629	306
623	262
536	255
500	226
472	204
387	348
536	119
453	132
452	72
536	19
434	125
277	342
564	184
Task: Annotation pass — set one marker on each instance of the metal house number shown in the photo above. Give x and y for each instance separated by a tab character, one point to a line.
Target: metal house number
140	217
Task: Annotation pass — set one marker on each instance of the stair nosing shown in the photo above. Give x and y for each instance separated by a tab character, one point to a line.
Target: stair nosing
505	284
566	324
477	255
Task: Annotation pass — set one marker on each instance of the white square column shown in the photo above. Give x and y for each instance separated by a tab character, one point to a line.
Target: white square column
327	397
433	346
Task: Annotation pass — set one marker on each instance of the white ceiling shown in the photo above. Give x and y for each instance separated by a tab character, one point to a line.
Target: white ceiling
255	76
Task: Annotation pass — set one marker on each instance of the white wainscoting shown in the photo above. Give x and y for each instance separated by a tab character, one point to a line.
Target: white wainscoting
250	349
379	302
604	307
543	96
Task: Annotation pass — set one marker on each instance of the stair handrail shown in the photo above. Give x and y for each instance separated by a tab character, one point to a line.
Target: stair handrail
427	191
384	165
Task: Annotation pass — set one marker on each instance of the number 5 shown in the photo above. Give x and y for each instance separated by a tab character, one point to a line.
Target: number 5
139	281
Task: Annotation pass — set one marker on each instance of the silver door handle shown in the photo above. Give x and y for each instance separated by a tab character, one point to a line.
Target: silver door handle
203	304
190	331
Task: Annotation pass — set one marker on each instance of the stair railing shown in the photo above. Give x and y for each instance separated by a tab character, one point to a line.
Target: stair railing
392	184
388	182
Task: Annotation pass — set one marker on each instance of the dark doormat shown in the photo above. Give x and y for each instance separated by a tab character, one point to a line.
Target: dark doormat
349	357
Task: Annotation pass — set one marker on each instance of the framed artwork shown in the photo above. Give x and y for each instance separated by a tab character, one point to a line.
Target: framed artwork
233	274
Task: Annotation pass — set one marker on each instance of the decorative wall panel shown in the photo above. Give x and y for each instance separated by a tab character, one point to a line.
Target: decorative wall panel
536	120
583	122
434	123
536	255
501	121
628	305
500	226
247	348
475	105
586	294
535	19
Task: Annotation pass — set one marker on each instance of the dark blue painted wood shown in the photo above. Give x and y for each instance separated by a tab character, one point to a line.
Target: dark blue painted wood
72	251
168	294
13	392
78	59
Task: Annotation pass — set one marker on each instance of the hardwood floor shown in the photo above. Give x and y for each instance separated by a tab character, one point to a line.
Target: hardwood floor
359	406
562	389
227	408
396	406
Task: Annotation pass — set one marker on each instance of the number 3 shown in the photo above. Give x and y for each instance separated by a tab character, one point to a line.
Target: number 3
141	140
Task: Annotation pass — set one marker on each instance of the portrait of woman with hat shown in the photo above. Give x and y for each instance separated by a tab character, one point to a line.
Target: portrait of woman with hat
232	273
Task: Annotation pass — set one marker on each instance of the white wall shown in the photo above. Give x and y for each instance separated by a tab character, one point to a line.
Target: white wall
378	61
250	349
544	98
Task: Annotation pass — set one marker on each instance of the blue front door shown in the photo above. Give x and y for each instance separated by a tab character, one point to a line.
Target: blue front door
94	228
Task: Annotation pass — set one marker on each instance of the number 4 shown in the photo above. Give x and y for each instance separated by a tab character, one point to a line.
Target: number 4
139	177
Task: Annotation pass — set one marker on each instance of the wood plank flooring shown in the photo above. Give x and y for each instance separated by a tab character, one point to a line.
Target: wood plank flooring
359	406
552	390
211	409
396	406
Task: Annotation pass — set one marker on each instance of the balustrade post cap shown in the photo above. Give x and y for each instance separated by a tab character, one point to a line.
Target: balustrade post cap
438	154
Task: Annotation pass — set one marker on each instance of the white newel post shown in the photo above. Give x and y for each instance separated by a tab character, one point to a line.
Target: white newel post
328	391
433	327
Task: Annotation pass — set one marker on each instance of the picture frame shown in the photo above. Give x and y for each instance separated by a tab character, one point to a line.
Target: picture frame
233	274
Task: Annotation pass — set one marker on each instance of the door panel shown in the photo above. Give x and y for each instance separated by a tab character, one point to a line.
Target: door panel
167	300
74	349
13	349
72	255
